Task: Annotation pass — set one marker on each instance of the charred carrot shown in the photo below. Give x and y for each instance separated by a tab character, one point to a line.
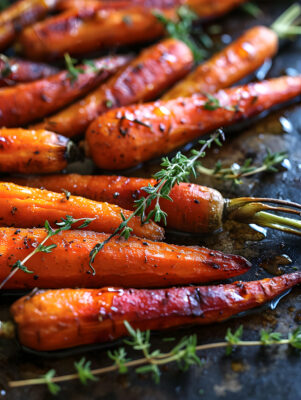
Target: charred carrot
56	319
28	102
14	71
146	77
34	151
193	208
78	31
233	63
19	15
133	262
26	208
130	135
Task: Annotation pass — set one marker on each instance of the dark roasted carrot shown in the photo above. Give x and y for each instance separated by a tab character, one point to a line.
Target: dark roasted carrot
13	70
56	319
194	208
115	140
233	63
78	31
146	77
26	208
19	15
28	102
133	262
34	151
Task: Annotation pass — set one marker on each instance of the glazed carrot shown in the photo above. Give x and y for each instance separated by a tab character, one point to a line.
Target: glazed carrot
115	140
34	151
56	319
212	8
233	63
194	208
28	102
146	77
78	31
19	15
26	208
133	262
14	71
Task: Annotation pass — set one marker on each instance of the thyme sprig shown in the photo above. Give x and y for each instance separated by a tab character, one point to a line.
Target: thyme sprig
185	354
183	29
64	225
174	171
236	172
74	71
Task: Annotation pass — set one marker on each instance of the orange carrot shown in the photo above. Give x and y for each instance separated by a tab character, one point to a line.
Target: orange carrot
26	208
32	151
133	262
19	15
56	319
145	78
28	102
130	135
193	208
233	63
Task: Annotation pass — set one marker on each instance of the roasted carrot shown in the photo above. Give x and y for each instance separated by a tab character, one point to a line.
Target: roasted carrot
133	262
26	208
118	4
13	70
130	135
78	31
233	63
28	102
34	151
146	77
194	208
56	319
19	15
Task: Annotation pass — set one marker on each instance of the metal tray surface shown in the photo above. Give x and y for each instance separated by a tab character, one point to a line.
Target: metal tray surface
272	373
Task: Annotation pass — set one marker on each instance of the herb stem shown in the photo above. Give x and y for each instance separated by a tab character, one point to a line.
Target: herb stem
160	360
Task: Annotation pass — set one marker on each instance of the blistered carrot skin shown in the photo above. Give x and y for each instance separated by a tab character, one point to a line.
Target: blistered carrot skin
145	78
34	151
19	15
78	31
25	103
193	208
115	140
27	207
56	319
236	61
133	262
13	71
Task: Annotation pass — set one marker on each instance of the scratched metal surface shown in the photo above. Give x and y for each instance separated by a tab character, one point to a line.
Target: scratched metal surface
272	373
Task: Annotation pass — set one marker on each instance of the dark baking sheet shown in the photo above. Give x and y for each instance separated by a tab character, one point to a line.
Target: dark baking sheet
269	373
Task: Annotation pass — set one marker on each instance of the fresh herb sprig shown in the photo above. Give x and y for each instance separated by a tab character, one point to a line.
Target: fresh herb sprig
174	171
236	172
183	28
185	354
65	224
74	71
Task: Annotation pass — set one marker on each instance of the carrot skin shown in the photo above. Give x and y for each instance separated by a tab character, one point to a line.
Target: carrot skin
79	31
21	71
115	141
133	262
32	151
56	319
193	208
145	78
19	15
27	102
27	207
233	63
